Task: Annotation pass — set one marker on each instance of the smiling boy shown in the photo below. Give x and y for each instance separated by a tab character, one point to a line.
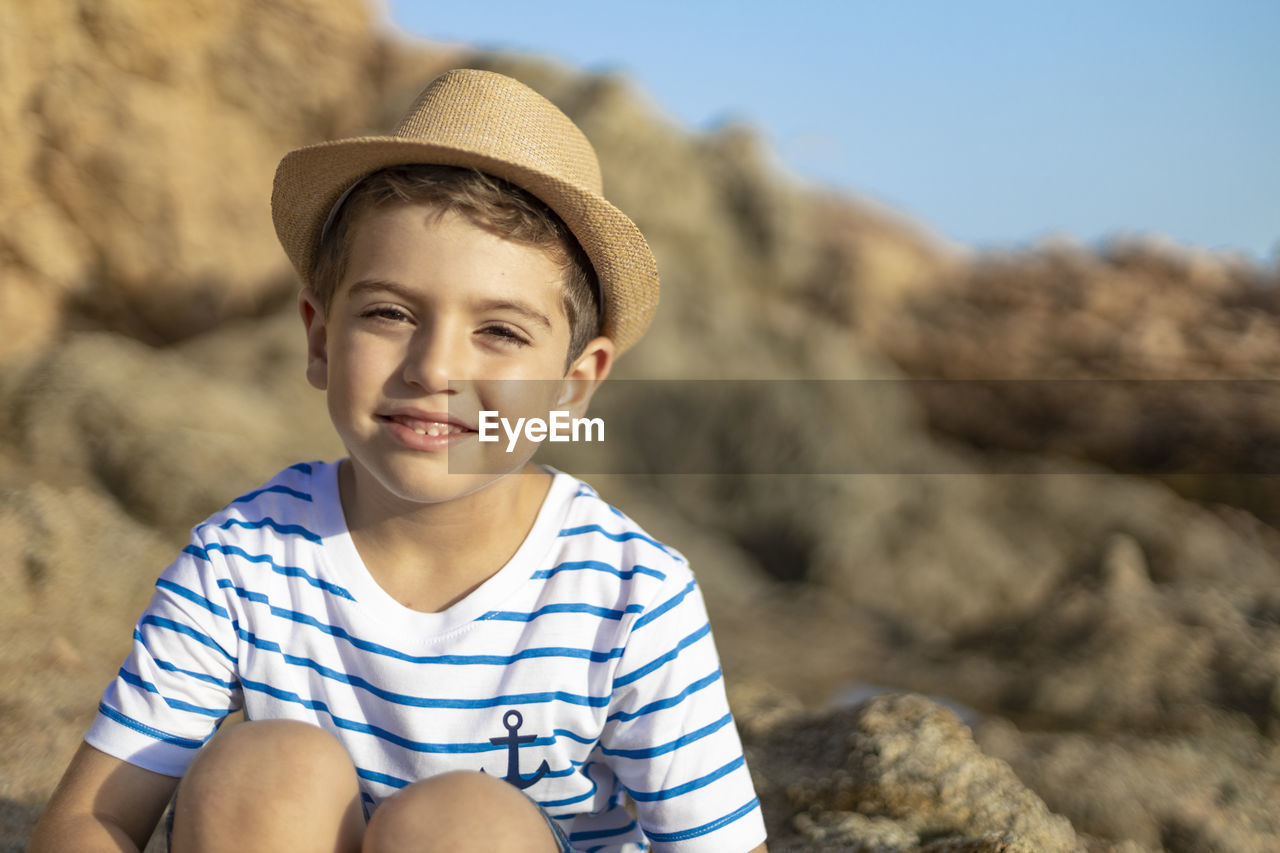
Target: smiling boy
437	645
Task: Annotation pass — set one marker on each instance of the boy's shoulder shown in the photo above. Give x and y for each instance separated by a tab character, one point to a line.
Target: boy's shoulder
296	502
597	526
620	553
289	489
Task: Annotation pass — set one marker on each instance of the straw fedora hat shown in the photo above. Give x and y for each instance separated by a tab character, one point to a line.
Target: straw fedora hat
500	126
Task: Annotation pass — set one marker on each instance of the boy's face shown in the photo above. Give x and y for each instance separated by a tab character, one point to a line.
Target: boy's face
432	320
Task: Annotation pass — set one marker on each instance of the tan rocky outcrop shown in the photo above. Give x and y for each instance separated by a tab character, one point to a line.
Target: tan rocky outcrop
1146	357
138	144
1138	627
898	773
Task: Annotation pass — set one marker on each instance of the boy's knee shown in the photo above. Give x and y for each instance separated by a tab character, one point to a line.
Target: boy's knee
272	748
261	777
462	810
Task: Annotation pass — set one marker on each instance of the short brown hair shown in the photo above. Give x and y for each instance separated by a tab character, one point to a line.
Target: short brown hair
488	202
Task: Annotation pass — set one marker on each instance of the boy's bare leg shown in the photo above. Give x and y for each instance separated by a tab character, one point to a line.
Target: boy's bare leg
459	811
269	785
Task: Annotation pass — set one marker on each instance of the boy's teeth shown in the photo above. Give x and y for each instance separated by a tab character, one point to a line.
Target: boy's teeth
436	429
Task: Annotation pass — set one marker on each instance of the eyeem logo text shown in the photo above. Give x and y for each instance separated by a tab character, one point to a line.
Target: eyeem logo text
560	427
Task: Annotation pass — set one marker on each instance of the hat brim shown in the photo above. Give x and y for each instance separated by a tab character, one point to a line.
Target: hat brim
309	181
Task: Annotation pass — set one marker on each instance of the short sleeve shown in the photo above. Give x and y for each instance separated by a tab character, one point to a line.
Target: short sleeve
179	680
669	736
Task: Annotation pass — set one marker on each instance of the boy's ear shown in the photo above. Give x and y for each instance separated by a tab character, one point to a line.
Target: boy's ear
585	375
311	307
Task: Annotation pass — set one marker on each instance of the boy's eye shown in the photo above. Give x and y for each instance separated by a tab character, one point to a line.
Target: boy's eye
504	334
385	312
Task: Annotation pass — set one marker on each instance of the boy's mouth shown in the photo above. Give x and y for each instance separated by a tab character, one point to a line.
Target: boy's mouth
427	426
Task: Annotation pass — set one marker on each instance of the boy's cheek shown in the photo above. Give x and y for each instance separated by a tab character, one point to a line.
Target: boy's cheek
518	398
514	417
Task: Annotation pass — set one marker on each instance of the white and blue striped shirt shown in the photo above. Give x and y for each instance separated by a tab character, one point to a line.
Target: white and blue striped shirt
592	640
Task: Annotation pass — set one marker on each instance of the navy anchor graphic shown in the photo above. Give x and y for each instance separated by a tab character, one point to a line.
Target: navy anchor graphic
512	721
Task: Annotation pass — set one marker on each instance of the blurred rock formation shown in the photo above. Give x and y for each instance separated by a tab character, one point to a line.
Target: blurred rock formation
1112	643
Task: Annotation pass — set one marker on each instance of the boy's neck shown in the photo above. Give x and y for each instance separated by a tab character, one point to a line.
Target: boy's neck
431	556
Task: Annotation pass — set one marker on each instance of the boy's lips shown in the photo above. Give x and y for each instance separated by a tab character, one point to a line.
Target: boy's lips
425	429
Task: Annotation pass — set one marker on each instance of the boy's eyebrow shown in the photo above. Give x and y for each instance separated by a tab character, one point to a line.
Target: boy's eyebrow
518	307
369	284
521	308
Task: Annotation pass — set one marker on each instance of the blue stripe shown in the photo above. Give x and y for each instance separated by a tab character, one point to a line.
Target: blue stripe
623	680
624	536
574	736
177	704
702	782
590	609
553	804
143	728
685	740
598	566
718	823
178	627
381	733
375	731
585	491
282	490
199	676
304	467
602	833
421	701
190	595
268	521
136	681
382	778
397	782
568	801
669	702
446	660
568	771
287	571
665	606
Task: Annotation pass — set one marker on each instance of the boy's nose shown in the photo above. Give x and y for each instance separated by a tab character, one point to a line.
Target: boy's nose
435	358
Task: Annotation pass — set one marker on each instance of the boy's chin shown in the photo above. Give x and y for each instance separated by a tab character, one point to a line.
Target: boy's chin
405	485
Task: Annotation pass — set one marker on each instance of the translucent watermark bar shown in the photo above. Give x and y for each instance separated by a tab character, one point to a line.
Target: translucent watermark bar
880	426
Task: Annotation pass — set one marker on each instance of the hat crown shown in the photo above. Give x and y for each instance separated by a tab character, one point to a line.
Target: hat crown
490	122
493	115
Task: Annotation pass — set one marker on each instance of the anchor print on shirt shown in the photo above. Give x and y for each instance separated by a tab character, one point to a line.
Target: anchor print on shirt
512	721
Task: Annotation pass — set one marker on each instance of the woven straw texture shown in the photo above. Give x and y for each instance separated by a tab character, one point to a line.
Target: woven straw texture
493	123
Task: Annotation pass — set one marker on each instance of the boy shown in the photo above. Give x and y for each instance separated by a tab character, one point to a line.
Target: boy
437	645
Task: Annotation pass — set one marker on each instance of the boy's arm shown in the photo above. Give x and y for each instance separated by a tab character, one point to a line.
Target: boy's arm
670	737
102	804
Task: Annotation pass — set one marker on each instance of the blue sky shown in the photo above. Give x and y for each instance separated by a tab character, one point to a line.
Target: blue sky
991	122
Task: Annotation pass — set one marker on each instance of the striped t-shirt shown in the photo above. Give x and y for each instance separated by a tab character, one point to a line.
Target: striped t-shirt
583	671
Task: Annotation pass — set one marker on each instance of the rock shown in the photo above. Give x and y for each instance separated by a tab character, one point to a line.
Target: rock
911	770
67	555
1118	644
1124	570
1138	358
90	412
137	187
1163	793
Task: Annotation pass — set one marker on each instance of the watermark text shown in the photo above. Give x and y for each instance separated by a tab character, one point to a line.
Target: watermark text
559	426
